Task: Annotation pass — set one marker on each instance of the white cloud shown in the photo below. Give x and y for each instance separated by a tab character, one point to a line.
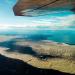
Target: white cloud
4	27
52	23
57	22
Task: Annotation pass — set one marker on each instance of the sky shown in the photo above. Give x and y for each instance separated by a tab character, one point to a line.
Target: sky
53	21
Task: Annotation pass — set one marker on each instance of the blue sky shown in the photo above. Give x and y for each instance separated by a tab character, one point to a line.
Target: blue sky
56	20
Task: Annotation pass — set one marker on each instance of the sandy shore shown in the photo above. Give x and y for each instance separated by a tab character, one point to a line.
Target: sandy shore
63	65
49	48
43	48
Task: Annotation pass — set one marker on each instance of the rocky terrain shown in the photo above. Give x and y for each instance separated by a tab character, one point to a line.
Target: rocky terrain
10	66
48	48
42	55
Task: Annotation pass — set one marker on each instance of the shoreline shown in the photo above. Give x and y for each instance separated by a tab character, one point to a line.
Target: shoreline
63	64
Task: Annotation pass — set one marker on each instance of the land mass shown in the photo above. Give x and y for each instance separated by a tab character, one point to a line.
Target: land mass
42	54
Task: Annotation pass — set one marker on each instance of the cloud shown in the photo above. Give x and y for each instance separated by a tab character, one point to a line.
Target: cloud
57	22
54	23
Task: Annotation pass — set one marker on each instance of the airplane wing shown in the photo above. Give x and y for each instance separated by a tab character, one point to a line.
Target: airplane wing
42	7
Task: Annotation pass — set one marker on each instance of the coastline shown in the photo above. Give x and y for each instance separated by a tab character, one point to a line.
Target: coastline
62	64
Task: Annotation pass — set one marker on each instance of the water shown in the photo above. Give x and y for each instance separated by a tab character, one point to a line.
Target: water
61	36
